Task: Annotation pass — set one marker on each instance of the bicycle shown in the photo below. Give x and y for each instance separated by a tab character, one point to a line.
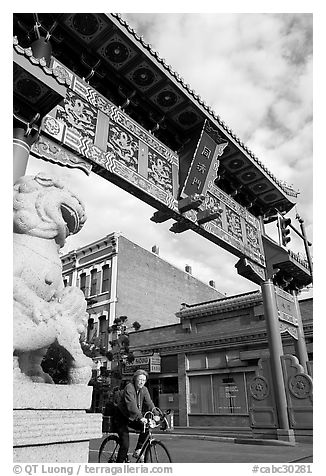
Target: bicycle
152	450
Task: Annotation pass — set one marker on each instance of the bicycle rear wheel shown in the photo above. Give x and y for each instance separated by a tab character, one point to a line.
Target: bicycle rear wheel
108	451
157	452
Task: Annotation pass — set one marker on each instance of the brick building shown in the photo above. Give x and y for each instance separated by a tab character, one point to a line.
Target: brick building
208	359
119	278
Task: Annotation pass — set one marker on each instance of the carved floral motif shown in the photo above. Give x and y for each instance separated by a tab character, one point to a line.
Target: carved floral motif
159	171
259	388
300	386
78	115
125	147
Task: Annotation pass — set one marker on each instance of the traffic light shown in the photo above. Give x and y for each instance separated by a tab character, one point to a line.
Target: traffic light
284	224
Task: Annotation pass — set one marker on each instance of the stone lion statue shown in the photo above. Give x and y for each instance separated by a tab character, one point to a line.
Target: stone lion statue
45	213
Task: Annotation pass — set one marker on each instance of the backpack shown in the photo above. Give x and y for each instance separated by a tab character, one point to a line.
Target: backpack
113	402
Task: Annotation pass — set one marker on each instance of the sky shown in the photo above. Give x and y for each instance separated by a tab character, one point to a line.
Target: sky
255	71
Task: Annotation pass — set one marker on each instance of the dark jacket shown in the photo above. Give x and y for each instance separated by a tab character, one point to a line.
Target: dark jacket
131	405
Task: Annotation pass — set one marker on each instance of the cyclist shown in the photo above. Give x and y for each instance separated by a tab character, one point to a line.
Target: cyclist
129	413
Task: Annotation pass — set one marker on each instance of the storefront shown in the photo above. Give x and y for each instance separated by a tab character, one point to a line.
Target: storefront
209	359
217	393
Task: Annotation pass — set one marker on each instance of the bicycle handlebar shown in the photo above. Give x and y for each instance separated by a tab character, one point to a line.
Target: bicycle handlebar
151	422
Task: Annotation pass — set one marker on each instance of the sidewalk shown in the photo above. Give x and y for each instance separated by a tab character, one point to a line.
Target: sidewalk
232	435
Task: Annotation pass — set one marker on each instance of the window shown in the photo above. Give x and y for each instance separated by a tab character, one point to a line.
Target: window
218	393
93	282
200	394
106	279
83	282
169	363
216	360
90	329
210	360
169	385
229	394
103	330
196	361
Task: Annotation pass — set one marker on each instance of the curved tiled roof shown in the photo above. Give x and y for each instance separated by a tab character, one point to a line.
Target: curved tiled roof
220	305
286	188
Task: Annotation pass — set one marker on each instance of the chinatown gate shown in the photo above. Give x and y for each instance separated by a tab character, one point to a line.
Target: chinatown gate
91	94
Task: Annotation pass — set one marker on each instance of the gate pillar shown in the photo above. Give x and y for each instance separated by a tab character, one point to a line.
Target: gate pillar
300	343
276	351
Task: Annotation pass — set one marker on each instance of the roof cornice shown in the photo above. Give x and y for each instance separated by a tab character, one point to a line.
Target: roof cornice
240	301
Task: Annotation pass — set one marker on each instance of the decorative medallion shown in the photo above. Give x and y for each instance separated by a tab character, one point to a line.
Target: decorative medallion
166	98
188	118
248	176
53	127
236	164
270	197
86	25
116	51
300	386
144	76
62	74
29	88
259	388
259	187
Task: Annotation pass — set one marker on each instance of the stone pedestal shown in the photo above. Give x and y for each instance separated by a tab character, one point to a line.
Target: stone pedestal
285	435
51	424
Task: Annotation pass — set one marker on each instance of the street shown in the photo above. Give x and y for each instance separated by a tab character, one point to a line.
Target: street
189	449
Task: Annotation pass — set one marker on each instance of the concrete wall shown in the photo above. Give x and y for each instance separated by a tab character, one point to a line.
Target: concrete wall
150	290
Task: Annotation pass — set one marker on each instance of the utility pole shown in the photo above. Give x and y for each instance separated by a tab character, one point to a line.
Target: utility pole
306	242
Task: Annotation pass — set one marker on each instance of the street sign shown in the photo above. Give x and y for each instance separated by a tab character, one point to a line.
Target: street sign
287	313
151	364
205	161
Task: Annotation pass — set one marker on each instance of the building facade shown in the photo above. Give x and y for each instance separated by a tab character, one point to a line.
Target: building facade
120	278
209	358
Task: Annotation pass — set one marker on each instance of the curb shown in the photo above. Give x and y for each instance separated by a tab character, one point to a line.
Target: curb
230	439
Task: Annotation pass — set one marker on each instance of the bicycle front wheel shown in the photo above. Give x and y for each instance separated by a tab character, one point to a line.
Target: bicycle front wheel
108	451
157	453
